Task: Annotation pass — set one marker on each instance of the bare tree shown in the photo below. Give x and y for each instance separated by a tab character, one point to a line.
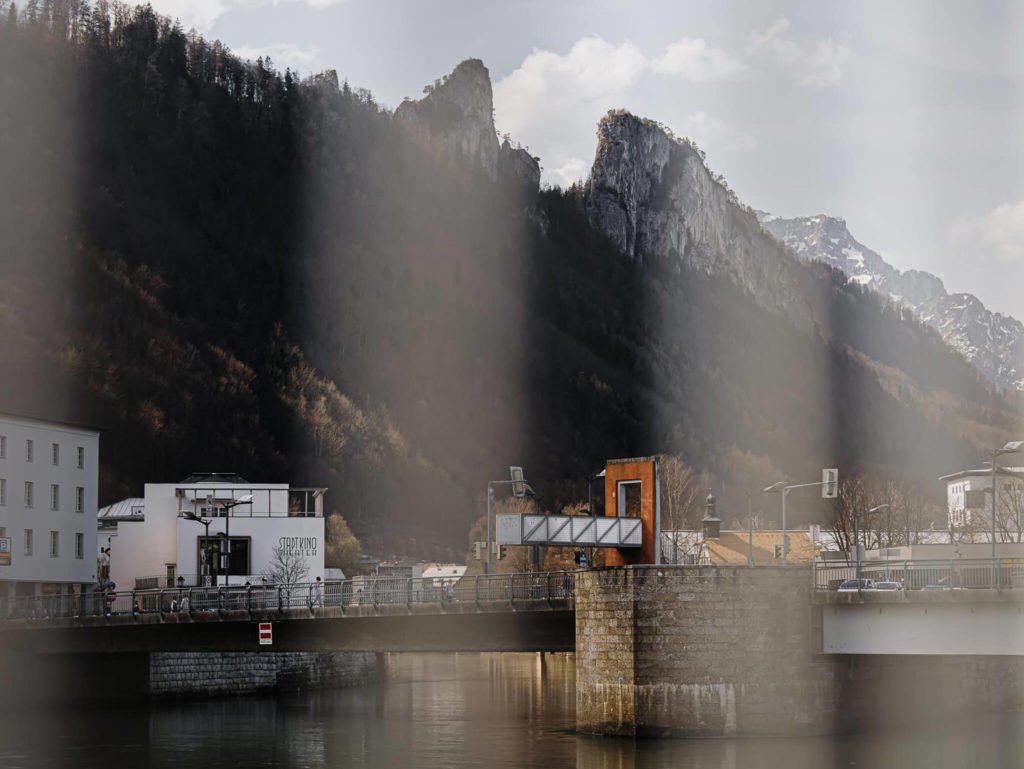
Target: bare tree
286	567
681	494
1009	512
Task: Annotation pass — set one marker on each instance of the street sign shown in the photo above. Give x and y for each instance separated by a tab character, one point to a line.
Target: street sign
266	634
5	551
829	483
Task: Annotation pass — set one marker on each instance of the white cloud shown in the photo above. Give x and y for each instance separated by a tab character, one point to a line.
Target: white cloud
1000	231
555	101
202	14
708	131
692	59
817	66
198	14
284	55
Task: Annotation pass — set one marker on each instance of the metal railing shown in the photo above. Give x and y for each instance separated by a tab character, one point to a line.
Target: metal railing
524	591
953	574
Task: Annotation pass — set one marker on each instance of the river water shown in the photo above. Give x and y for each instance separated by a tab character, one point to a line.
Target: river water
466	710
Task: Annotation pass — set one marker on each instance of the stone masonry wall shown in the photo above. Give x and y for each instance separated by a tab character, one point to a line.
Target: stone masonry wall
173	674
720	651
699	651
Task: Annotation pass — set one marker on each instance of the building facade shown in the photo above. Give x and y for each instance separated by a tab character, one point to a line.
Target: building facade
49	479
213	529
969	502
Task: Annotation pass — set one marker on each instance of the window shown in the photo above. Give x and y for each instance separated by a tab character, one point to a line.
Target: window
3	492
29	488
54	544
79	546
3	447
79	499
55	453
81	457
54	496
629	499
29	450
28	541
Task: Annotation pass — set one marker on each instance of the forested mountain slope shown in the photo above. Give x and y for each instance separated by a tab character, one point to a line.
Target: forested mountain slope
227	269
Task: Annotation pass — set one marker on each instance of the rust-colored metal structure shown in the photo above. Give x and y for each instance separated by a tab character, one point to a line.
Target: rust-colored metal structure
631	488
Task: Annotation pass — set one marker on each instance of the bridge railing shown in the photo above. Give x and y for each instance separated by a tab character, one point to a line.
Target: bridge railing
375	592
952	574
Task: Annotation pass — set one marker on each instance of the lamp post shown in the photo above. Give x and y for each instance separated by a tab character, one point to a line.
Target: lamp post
856	537
785	487
204	564
520	488
1011	447
225	553
780	486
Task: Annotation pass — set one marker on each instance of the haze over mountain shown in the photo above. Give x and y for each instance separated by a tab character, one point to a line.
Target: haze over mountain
229	269
993	342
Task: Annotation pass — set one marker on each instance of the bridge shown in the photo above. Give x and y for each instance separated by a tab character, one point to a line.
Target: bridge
502	613
686	651
958	607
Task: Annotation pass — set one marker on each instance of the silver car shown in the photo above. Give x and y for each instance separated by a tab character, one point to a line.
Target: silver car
887	585
856	585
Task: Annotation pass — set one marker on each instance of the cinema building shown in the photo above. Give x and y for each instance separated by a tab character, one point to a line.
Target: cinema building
212	529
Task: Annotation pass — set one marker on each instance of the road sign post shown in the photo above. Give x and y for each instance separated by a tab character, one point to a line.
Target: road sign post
266	634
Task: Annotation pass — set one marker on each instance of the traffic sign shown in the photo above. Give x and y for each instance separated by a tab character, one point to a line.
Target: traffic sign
5	551
266	634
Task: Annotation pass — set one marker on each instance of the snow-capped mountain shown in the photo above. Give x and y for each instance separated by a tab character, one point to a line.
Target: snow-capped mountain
991	341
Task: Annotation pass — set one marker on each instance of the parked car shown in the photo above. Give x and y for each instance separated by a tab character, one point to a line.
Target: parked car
887	585
856	585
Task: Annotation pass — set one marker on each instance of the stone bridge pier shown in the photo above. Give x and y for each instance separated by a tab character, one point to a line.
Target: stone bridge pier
700	651
721	651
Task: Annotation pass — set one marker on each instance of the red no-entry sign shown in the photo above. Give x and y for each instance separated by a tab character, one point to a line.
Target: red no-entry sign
266	634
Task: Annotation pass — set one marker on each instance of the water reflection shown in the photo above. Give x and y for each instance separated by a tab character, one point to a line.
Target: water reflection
456	711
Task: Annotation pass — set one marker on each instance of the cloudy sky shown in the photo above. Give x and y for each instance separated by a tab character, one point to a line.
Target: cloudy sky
903	118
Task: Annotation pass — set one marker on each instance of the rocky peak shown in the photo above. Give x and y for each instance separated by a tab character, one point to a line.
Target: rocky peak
992	342
654	197
455	121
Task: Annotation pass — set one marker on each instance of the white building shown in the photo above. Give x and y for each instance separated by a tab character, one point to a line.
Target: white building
969	497
49	478
175	533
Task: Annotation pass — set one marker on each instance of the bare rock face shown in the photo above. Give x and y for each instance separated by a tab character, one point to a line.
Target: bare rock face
653	196
455	118
517	163
455	122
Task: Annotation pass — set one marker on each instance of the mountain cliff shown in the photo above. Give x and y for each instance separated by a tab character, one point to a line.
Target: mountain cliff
992	342
455	121
229	269
655	198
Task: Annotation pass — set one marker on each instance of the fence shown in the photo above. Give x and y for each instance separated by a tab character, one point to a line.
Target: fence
955	574
375	592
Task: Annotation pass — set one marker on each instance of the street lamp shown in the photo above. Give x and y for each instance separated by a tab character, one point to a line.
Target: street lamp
785	487
1011	447
520	488
781	486
750	518
225	553
856	537
204	565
